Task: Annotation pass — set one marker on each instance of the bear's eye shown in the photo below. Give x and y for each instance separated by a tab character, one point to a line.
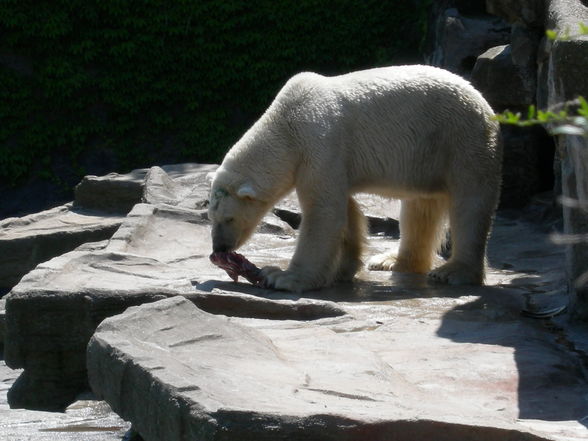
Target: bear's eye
229	220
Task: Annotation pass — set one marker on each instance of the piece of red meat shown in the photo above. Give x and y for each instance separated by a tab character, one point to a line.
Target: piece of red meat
236	265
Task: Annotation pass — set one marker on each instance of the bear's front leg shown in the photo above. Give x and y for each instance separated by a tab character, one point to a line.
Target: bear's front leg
317	254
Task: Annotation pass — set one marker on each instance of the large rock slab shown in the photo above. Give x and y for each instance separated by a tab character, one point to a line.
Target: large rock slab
179	373
118	193
27	241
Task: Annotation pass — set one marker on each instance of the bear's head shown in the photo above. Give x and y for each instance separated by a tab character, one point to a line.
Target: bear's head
235	210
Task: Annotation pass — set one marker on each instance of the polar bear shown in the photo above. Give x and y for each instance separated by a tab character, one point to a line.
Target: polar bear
415	133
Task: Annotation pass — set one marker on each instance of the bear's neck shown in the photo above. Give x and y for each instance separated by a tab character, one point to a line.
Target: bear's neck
268	157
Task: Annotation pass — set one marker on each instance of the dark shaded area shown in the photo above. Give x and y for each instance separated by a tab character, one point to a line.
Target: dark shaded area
544	388
92	87
528	164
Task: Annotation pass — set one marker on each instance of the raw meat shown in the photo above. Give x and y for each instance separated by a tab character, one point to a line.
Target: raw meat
236	265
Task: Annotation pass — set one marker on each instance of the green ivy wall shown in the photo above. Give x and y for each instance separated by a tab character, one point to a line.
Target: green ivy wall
150	81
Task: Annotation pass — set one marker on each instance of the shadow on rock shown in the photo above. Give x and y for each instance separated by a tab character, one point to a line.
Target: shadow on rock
549	379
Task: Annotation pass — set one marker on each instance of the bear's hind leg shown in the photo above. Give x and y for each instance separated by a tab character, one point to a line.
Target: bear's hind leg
470	221
353	243
421	234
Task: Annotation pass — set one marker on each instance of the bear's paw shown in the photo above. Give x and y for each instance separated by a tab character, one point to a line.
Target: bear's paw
382	262
456	273
288	280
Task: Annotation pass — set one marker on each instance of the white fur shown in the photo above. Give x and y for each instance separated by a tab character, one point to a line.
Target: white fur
416	133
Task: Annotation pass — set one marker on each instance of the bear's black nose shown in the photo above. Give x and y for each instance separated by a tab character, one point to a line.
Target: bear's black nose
220	246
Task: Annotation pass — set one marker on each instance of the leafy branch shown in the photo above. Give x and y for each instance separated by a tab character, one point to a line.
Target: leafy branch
562	122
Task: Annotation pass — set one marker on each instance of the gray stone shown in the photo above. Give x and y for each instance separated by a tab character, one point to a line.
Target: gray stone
27	241
529	13
459	40
524	43
161	251
504	84
113	193
179	373
567	68
96	215
563	16
183	185
87	419
118	193
528	151
157	252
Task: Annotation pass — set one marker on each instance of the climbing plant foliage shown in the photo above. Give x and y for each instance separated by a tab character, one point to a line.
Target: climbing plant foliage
151	80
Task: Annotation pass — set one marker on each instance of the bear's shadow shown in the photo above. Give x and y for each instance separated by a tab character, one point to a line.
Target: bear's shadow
369	286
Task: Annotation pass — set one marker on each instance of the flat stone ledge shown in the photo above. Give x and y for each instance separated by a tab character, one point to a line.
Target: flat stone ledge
27	241
179	373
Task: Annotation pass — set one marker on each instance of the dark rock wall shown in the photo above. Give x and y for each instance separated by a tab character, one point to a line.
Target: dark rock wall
495	45
500	45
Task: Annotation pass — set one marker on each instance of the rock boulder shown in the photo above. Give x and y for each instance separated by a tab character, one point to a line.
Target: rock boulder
460	39
179	373
504	84
27	241
530	13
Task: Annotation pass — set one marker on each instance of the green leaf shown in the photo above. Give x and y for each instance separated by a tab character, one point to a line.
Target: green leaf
532	112
583	110
551	34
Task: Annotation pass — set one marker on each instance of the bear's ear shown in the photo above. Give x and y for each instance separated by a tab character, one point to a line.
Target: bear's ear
246	191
